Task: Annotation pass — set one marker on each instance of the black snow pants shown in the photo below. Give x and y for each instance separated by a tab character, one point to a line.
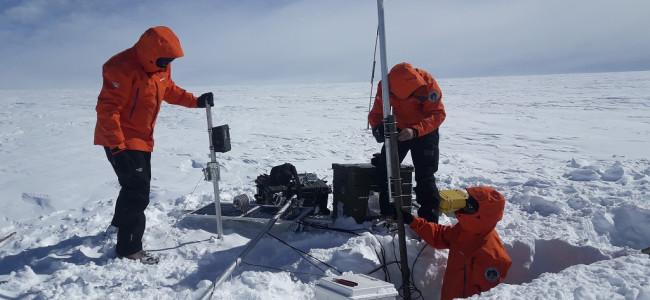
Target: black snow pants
133	170
425	154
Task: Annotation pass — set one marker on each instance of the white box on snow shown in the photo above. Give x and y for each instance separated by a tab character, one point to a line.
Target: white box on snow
334	288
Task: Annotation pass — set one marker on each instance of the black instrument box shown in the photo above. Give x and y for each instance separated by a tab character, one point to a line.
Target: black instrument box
313	191
354	182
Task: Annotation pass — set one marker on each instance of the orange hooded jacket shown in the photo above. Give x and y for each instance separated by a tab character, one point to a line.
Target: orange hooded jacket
133	90
477	260
404	81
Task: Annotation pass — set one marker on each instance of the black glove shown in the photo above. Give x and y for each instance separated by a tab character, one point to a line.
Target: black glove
378	133
408	217
205	98
376	159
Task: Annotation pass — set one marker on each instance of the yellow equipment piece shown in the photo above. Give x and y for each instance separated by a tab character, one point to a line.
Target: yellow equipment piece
452	200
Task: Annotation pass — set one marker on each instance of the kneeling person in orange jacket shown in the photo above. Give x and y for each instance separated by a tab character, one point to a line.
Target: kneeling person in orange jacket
477	259
136	81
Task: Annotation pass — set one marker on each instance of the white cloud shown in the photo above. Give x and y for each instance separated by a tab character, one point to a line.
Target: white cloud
64	43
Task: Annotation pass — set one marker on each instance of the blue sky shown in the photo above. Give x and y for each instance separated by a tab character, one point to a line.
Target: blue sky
63	43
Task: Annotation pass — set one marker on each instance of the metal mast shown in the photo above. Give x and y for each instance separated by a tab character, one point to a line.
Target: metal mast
392	157
211	173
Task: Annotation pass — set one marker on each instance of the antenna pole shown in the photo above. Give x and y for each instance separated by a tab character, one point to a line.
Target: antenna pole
392	157
211	173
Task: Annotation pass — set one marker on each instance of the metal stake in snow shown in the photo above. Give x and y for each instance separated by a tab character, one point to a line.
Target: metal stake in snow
249	247
7	237
211	173
392	157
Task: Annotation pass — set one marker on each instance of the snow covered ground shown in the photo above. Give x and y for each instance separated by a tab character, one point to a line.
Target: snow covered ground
569	153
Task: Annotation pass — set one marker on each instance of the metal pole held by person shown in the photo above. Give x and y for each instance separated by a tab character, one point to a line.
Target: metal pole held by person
392	157
211	173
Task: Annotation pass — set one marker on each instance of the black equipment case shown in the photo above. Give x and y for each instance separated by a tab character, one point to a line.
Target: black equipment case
313	191
354	182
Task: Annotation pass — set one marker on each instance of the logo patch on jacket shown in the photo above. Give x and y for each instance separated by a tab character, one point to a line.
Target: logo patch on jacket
434	97
115	84
492	274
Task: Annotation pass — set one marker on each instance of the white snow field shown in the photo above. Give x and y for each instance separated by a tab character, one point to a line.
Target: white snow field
569	153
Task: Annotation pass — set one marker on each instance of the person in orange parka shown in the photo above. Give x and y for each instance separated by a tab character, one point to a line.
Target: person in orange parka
417	105
135	82
477	259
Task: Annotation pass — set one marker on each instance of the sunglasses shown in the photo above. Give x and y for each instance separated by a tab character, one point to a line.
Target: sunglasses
471	206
